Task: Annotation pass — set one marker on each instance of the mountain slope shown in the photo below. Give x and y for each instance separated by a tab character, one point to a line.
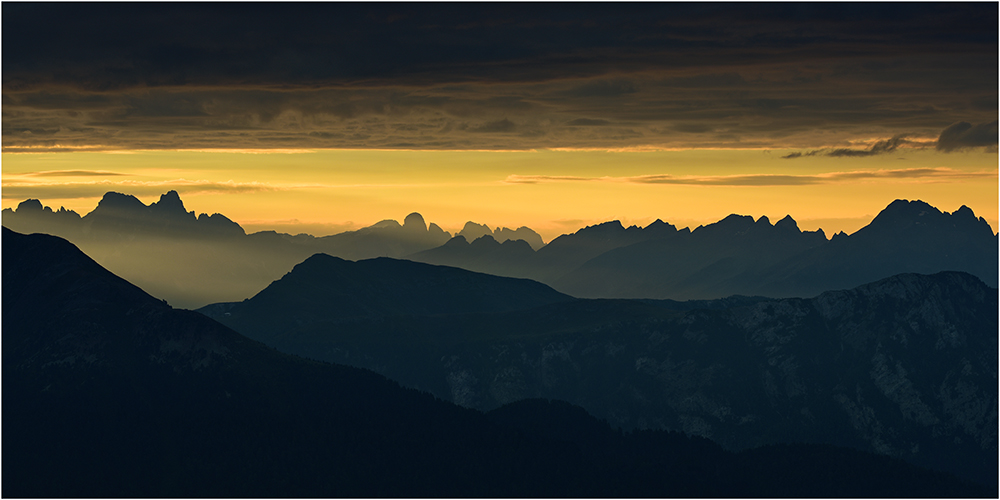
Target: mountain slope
905	366
325	289
116	394
109	392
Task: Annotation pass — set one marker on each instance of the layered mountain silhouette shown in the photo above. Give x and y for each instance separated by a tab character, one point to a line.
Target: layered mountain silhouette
108	392
740	256
194	260
473	231
905	366
191	261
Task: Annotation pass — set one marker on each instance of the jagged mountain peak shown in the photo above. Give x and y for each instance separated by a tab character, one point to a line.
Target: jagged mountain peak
787	223
902	214
763	220
170	202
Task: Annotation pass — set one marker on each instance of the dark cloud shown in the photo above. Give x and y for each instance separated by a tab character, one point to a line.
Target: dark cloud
602	88
587	122
104	47
963	135
880	147
199	75
504	125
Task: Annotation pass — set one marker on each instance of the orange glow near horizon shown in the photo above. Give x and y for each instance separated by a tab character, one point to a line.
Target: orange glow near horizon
553	192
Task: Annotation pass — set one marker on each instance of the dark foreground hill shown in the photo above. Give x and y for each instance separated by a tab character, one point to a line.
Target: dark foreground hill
109	392
904	366
325	289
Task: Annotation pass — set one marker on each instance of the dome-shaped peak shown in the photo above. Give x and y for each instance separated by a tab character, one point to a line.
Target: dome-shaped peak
903	212
457	241
415	221
764	220
112	199
964	212
485	241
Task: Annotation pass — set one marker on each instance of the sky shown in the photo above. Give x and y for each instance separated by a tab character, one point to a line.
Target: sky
322	117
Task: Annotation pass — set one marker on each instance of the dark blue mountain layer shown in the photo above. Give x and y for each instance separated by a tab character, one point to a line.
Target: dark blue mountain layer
108	392
740	256
905	366
325	289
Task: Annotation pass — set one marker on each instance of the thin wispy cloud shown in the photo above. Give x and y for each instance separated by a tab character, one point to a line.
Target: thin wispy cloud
877	148
90	189
73	173
915	174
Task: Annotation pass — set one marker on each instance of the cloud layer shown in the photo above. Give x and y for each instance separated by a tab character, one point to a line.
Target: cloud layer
916	174
496	76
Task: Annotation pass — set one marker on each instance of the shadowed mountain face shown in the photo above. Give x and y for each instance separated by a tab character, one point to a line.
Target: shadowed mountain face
904	367
326	290
109	392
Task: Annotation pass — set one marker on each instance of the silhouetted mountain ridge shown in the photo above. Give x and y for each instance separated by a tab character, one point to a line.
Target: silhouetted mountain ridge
109	392
206	259
904	366
330	289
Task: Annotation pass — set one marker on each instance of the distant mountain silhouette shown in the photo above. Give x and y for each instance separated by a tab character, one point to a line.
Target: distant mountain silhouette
120	216
710	262
192	261
208	259
560	256
109	392
483	254
740	256
330	290
473	231
904	366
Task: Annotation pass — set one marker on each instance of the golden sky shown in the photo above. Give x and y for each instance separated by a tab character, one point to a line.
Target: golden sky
554	192
323	117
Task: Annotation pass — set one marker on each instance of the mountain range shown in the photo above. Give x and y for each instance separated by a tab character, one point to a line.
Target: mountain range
108	391
739	256
905	366
208	258
193	260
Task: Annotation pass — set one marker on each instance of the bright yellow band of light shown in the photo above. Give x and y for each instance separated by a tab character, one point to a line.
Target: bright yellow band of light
553	192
